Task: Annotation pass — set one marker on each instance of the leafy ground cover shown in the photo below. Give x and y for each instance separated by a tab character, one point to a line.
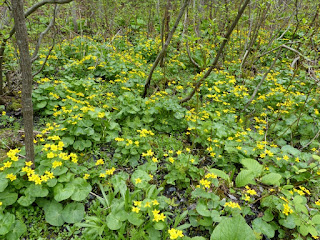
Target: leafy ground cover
113	165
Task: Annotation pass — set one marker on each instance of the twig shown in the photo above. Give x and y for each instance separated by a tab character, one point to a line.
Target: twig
261	81
46	59
161	54
51	24
220	51
190	57
316	136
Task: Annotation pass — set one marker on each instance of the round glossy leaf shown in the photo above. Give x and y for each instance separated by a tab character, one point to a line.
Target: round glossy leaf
82	189
73	212
63	192
53	214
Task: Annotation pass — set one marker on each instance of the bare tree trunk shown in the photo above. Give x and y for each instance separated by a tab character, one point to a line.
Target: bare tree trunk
160	55
31	10
74	17
165	30
25	65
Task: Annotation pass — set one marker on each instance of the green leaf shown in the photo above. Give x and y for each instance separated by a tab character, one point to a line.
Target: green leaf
135	219
178	115
271	179
143	176
67	141
112	222
159	225
3	182
53	214
288	222
316	157
26	200
261	226
18	229
268	215
82	189
289	149
41	104
36	191
252	165
79	145
73	212
202	209
303	229
234	228
63	192
244	178
220	174
119	183
316	219
7	198
6	223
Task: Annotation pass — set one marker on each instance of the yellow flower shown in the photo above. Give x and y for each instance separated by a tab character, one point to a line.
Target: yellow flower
205	183
135	209
158	217
7	164
11	176
29	163
232	205
138	180
137	203
155	212
148	204
285	157
171	159
54	147
247	198
179	152
210	175
154	159
56	164
101	114
174	234
148	153
155	202
251	192
50	155
102	175
44	178
86	176
286	209
110	171
318	202
49	174
99	162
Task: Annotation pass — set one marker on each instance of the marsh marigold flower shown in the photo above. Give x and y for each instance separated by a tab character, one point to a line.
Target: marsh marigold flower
174	233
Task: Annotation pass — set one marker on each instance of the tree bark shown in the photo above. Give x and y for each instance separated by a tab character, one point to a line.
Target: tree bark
28	12
25	65
161	54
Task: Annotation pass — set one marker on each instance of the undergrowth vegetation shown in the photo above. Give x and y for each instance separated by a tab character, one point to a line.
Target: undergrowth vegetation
113	165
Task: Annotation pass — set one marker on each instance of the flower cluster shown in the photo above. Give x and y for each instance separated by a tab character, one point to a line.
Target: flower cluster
174	233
